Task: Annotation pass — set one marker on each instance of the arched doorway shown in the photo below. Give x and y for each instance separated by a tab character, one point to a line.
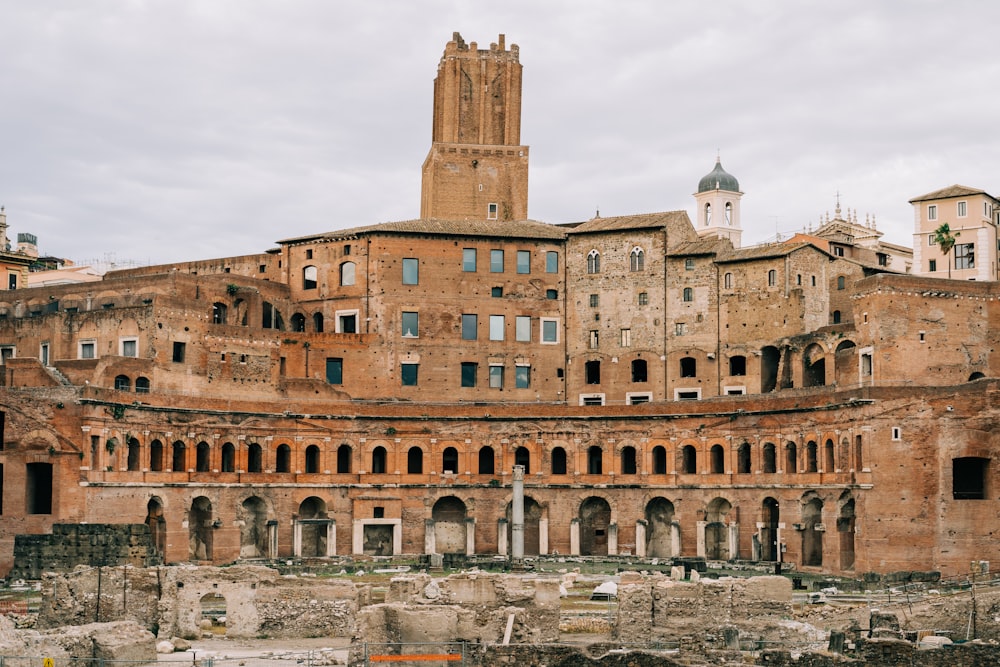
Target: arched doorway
449	526
845	528
716	530
312	516
814	366
595	522
770	358
659	528
812	539
770	517
213	608
157	524
252	519
532	518
200	529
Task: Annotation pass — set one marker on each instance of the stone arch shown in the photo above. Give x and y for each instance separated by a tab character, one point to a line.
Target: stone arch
283	459
770	518
156	456
791	458
716	529
812	539
313	534
628	465
345	456
200	529
595	524
415	460
814	366
660	527
659	460
769	458
252	519
845	530
743	458
522	457
313	459
829	458
717	459
558	461
812	456
228	457
133	456
178	453
379	456
487	460
202	457
255	457
450	531
688	460
449	460
595	460
845	363
157	524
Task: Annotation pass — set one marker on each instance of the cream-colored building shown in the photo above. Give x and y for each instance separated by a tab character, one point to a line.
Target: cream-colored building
973	216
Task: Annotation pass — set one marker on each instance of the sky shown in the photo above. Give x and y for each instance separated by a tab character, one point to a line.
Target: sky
155	131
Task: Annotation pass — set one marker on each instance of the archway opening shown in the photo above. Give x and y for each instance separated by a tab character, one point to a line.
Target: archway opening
449	525
252	519
716	530
659	528
595	522
213	613
313	535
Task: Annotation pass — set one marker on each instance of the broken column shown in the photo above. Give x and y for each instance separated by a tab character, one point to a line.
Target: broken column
517	517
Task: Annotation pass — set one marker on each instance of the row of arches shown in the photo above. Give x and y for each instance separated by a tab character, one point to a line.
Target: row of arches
687	458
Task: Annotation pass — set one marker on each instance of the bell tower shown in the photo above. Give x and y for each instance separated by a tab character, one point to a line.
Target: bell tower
718	202
476	168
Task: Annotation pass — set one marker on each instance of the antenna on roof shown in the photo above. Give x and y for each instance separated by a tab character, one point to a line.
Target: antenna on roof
598	214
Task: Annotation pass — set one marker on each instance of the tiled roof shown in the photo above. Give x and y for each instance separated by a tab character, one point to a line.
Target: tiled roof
676	223
493	228
701	247
951	191
766	251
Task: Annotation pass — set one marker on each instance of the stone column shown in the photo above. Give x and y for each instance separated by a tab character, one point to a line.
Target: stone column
640	538
358	538
543	535
517	516
296	538
675	538
757	549
502	537
574	537
470	536
734	540
331	538
780	555
613	539
700	527
272	539
430	541
397	538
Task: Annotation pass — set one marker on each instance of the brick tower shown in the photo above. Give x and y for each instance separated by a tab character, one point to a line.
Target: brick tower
476	168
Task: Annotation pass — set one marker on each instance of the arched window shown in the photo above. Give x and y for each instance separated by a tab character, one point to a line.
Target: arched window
828	454
142	385
123	383
449	460
812	465
298	322
344	456
708	214
522	457
639	370
743	459
770	462
177	458
219	311
133	454
156	456
836	317
255	458
791	458
841	282
309	275
228	457
283	462
202	457
772	278
637	259
689	460
558	461
659	460
378	460
347	273
594	262
727	281
594	460
318	322
688	294
689	367
487	459
312	459
415	461
628	463
718	459
729	213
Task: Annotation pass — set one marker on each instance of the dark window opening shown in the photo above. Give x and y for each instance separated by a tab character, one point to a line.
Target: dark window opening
689	367
335	371
594	461
628	461
38	488
312	459
558	461
969	478
415	461
486	461
344	456
592	370
689	460
638	370
522	457
378	460
738	365
659	460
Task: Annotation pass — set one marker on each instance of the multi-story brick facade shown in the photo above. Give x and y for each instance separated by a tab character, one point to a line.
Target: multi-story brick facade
369	390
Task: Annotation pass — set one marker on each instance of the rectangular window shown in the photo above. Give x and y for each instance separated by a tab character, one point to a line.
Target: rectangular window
469	260
524	261
522	329
496	327
838	251
595	300
522	377
6	352
411	271
496	377
626	337
491	212
470	326
965	255
179	350
88	349
962	209
591	399
595	339
11	281
469	370
932	265
335	370
551	262
643	299
931	239
411	324
496	261
550	330
689	265
408	374
680	328
932	212
129	347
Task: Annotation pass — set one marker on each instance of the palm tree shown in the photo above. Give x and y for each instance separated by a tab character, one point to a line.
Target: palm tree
946	240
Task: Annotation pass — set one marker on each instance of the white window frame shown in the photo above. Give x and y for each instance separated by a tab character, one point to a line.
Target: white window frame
491	211
962	209
3	350
626	337
931	240
584	397
541	326
897	433
687	390
869	353
932	212
337	314
629	395
734	390
121	346
80	345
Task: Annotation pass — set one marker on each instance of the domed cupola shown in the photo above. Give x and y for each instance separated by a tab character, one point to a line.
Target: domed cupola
718	179
718	202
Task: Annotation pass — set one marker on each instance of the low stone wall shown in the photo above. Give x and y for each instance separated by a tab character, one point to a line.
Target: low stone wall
70	545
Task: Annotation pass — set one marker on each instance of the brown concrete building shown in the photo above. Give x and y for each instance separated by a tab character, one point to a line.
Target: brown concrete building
369	390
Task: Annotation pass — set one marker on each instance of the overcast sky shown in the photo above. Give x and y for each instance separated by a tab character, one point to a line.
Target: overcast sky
152	132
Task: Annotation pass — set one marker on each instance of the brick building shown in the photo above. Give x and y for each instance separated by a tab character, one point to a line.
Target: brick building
369	390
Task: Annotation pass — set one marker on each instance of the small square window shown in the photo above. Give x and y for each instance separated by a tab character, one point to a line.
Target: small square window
932	212
932	265
689	264
88	349
680	328
496	292
309	253
551	294
129	347
408	374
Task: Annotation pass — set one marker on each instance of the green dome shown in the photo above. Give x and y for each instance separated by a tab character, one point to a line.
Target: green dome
718	179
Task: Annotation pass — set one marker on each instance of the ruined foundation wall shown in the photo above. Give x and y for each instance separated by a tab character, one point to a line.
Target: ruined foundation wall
70	545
